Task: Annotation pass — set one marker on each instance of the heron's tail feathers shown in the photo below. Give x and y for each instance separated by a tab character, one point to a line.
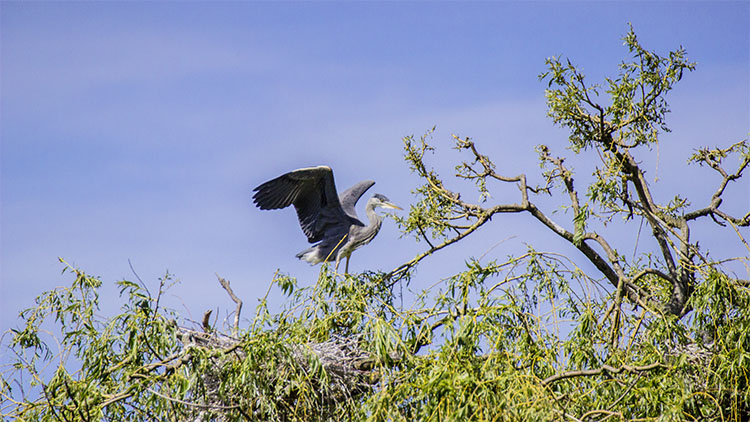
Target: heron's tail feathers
310	255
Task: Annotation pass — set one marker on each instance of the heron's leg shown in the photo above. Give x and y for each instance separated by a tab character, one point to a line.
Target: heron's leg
338	259
346	271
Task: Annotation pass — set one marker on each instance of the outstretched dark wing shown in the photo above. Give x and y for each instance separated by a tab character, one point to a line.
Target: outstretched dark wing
312	191
350	197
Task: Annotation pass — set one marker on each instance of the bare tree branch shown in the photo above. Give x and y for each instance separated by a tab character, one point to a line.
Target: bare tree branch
225	284
605	369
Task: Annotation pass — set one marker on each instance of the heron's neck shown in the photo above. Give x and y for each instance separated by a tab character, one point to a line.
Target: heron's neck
375	220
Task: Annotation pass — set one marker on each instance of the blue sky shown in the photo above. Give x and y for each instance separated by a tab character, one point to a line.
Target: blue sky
135	131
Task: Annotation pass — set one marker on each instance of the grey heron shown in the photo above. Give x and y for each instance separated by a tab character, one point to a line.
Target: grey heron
329	220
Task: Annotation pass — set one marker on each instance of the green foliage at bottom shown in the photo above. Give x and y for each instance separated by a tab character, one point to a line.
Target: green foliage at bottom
468	349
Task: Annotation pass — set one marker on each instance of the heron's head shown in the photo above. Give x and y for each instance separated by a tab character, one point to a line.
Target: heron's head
379	200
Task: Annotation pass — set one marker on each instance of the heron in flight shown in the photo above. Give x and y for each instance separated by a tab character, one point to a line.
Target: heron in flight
329	220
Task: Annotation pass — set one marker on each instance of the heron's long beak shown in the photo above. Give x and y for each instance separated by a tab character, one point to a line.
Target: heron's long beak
391	205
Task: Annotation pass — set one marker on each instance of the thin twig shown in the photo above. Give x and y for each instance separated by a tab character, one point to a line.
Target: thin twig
225	284
627	391
192	404
603	369
424	236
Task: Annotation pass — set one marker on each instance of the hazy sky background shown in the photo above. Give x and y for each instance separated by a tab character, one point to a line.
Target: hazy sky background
135	131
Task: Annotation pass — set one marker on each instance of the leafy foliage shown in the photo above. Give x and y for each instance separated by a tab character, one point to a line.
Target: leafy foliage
662	335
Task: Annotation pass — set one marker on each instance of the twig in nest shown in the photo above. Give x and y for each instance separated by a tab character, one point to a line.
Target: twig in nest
206	321
225	284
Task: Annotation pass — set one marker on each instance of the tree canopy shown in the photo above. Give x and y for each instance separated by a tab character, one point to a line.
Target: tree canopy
597	334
